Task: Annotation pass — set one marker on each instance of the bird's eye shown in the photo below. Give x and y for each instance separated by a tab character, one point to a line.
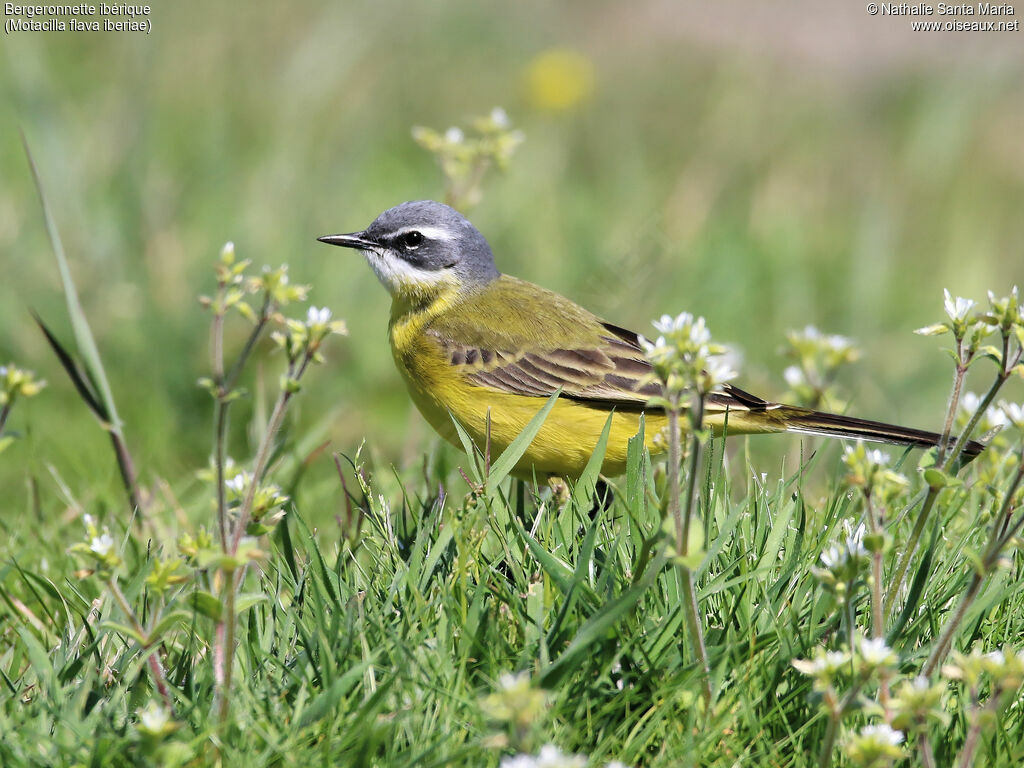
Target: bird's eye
412	239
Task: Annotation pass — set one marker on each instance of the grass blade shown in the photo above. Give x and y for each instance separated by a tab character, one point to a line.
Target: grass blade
79	324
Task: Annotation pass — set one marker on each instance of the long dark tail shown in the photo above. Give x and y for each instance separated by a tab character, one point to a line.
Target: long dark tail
810	422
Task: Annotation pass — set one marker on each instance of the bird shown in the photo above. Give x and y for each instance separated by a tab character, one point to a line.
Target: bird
489	350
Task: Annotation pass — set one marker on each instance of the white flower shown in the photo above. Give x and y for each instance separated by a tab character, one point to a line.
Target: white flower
833	341
883	733
3	371
855	539
318	316
101	545
833	557
668	324
1013	297
549	756
824	663
454	135
877	457
970	402
694	328
650	346
657	351
794	376
838	343
837	556
509	681
994	417
718	370
89	520
154	718
833	661
699	333
957	309
1013	412
499	117
874	652
237	483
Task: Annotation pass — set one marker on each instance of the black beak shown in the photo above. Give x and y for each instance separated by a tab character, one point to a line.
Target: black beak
355	240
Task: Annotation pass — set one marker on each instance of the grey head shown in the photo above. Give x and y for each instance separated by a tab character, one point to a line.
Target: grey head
420	244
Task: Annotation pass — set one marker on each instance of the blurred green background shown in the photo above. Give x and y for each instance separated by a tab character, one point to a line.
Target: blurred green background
767	165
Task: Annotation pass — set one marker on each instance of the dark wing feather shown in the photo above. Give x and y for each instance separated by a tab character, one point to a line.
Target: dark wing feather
611	374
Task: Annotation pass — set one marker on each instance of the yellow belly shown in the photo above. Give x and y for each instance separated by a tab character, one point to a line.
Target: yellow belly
562	447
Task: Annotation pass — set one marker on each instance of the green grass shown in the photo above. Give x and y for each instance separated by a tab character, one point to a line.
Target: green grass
379	642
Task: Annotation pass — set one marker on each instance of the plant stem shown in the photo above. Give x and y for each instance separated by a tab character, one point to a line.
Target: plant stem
904	562
954	399
224	651
924	748
220	418
250	343
1001	379
675	460
126	467
696	422
836	711
952	624
827	744
988	563
220	428
225	386
877	615
696	632
224	644
877	620
1005	371
682	525
156	668
971	742
264	451
4	413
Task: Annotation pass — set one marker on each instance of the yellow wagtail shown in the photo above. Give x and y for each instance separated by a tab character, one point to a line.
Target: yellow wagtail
470	341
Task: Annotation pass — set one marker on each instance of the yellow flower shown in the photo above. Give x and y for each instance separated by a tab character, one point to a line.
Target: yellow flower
559	79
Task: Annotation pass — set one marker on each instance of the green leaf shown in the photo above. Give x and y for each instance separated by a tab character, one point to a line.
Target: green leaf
79	324
5	442
78	377
507	461
559	571
39	659
206	604
247	600
595	629
167	623
928	458
324	704
991	352
584	488
470	449
635	466
936	478
125	630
